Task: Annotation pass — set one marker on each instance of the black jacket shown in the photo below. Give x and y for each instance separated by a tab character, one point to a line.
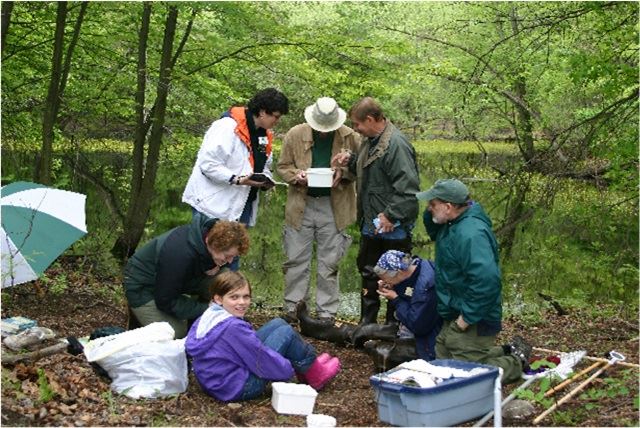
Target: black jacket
170	267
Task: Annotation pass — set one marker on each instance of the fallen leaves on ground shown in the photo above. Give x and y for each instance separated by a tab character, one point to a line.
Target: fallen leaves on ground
64	390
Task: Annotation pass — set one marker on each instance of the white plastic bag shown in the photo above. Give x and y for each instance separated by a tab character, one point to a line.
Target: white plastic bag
148	370
104	346
28	337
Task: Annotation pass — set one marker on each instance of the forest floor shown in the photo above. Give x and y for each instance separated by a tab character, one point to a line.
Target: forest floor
64	390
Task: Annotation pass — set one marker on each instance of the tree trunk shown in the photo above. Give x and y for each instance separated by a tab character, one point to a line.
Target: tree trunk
43	162
139	208
524	128
7	7
141	129
67	61
515	214
60	66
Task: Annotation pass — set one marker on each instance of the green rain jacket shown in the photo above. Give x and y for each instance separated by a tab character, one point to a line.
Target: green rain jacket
170	268
468	279
387	179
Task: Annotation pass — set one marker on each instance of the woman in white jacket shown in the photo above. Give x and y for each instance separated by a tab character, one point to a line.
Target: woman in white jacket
235	147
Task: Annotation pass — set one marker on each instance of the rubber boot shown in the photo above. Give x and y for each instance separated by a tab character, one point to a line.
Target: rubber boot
369	307
320	373
386	355
324	357
364	332
390	316
322	330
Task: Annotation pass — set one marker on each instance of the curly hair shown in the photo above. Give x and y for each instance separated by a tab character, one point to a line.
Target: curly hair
227	234
226	282
270	100
367	106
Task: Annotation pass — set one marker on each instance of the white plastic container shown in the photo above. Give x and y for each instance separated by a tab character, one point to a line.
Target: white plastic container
293	398
319	177
320	420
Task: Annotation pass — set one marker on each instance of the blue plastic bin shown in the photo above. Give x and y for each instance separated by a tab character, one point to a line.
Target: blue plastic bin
451	402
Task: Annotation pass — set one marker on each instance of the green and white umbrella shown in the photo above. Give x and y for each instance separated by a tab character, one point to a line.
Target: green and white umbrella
38	224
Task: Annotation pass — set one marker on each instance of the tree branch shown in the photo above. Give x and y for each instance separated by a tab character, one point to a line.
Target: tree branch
107	195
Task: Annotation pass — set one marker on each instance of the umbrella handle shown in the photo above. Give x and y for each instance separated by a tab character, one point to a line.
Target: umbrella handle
615	357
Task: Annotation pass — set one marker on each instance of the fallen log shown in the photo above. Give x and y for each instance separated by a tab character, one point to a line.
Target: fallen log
35	355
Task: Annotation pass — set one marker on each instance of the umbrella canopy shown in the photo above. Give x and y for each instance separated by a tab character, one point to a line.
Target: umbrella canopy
38	224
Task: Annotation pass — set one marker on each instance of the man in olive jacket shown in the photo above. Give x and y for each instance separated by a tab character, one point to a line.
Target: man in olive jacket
468	281
316	214
387	182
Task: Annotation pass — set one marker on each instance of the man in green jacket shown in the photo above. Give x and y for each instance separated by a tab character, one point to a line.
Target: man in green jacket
387	182
468	281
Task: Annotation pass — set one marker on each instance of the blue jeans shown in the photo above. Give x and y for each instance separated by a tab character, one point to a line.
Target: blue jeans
278	335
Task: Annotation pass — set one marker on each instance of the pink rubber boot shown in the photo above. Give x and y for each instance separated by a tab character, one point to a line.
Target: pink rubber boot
320	373
324	357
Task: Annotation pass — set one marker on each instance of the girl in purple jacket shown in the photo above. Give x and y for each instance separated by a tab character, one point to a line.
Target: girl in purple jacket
233	362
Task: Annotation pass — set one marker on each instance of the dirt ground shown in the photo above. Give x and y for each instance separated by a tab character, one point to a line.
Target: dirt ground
82	398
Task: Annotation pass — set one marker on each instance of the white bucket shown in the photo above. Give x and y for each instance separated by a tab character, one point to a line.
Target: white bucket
319	177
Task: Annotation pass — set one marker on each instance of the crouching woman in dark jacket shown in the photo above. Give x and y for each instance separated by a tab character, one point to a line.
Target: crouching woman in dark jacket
168	278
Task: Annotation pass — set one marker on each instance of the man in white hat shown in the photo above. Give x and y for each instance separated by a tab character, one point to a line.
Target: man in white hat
316	214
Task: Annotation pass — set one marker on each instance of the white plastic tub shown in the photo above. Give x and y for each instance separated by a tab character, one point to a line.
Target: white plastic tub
319	177
293	398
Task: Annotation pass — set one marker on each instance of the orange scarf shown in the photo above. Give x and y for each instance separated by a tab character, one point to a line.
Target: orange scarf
242	131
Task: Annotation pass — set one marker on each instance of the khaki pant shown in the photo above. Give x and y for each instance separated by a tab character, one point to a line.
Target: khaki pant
149	313
318	225
453	343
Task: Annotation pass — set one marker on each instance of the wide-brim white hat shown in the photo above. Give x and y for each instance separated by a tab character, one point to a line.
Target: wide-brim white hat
325	115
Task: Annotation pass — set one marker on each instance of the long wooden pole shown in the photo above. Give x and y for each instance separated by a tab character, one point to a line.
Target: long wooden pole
571	379
573	392
602	360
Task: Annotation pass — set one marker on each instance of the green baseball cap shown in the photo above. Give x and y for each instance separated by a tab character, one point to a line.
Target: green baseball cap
448	190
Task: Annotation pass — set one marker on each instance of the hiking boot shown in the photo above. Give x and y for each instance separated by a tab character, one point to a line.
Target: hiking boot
522	349
320	373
